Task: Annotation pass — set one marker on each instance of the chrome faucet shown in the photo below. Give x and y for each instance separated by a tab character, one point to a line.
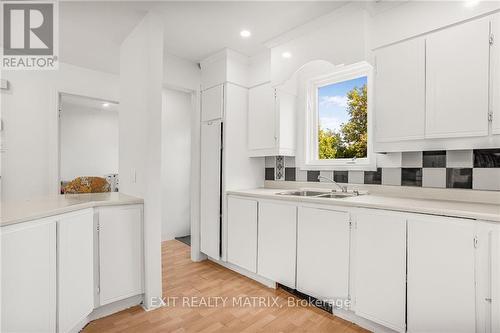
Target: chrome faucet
342	188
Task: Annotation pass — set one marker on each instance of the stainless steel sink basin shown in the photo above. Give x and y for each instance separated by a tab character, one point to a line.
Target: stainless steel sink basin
303	193
338	195
321	194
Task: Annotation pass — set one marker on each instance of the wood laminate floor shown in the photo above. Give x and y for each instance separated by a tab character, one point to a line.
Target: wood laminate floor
194	282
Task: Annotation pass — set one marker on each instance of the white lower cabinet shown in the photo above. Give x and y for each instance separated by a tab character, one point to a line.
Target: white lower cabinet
120	253
488	277
404	272
323	254
441	282
48	268
75	268
242	233
277	241
380	267
28	277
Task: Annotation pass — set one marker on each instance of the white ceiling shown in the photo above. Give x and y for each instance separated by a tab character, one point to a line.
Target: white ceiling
91	32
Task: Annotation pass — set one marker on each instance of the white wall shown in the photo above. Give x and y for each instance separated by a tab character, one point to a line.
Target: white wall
180	73
176	163
89	141
29	112
225	66
338	38
259	68
141	79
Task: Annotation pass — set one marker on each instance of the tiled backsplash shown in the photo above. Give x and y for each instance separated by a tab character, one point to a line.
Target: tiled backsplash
470	169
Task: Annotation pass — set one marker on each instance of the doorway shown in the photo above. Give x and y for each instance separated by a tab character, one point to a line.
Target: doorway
88	144
177	114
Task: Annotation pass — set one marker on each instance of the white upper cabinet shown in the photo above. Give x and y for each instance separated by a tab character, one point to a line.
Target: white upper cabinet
457	71
277	242
212	103
261	119
242	233
441	278
495	74
323	253
400	91
380	267
271	121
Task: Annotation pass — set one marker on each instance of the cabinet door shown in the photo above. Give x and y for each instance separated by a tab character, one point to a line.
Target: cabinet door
495	73
380	268
75	268
494	277
28	266
277	242
212	103
323	253
210	208
285	117
487	277
242	233
262	134
441	285
457	81
400	91
120	253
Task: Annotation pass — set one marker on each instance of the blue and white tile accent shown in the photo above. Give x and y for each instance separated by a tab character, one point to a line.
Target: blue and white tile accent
477	169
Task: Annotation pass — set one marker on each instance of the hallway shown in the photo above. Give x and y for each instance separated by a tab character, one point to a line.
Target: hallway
184	278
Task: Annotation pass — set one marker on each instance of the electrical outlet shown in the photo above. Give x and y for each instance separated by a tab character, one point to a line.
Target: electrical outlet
4	84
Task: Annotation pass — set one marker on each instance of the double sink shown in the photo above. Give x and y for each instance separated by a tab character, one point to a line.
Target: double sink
321	194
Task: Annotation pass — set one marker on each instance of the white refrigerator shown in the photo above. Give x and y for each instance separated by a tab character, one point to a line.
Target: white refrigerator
211	171
211	187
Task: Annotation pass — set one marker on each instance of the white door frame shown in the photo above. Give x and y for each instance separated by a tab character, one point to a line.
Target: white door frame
59	93
196	254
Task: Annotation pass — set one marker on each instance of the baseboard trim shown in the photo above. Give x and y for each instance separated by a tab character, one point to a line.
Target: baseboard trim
344	314
361	322
108	309
262	280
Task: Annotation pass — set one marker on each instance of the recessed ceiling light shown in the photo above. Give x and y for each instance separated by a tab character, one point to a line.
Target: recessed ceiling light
245	33
105	105
286	55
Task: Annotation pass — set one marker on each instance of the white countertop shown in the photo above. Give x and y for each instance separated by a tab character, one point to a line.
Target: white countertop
479	211
22	211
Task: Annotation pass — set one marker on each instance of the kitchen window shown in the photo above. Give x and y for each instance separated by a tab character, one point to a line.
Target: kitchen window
339	120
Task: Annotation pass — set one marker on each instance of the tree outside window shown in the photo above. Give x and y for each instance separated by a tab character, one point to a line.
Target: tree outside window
342	119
